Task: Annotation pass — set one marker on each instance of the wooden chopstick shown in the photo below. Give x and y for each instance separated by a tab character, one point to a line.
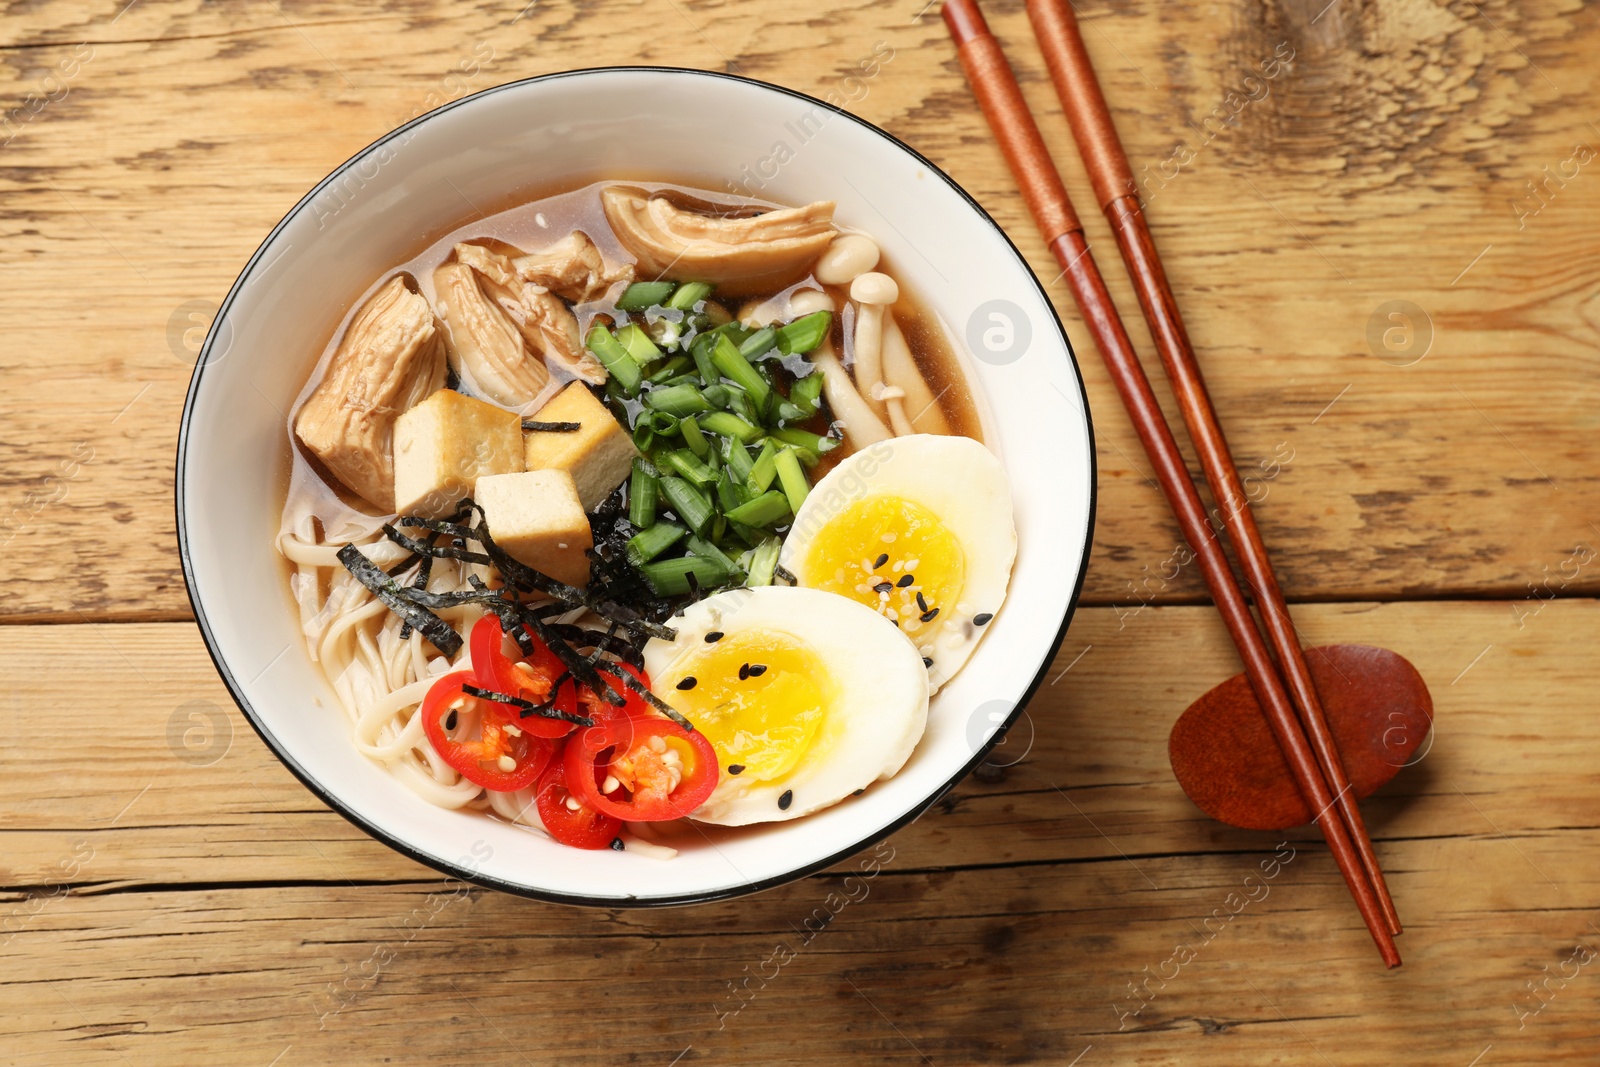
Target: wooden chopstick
1056	27
1003	105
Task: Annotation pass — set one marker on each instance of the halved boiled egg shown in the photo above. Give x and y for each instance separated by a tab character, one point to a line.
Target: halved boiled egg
806	696
919	529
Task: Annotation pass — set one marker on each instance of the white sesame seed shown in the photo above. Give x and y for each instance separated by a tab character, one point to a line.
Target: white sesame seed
899	565
572	804
888	538
913	564
893	615
507	764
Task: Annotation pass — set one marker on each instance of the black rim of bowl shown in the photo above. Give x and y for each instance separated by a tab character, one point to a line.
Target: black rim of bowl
726	893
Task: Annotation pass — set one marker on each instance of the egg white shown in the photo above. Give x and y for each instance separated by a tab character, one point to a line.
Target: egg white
961	482
878	715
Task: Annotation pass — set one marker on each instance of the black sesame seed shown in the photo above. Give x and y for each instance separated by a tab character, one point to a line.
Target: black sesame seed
982	617
927	616
922	605
735	768
927	662
785	800
713	637
757	669
905	580
883	587
687	683
881	561
744	671
616	844
450	722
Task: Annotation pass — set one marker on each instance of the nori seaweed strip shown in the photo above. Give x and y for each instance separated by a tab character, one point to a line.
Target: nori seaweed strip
424	573
583	637
783	572
433	551
575	662
394	597
535	426
544	711
650	698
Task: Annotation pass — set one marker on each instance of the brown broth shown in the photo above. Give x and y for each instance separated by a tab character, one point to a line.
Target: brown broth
538	216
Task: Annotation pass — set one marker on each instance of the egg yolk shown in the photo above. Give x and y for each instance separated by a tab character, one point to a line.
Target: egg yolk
758	696
893	555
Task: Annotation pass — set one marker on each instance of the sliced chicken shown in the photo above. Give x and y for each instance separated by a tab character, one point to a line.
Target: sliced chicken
548	329
573	269
391	358
739	255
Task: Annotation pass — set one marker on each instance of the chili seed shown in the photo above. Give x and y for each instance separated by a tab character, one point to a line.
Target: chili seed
927	616
687	683
785	800
982	617
713	637
881	561
905	580
735	768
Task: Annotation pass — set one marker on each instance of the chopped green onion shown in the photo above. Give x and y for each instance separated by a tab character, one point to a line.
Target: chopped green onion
669	370
701	351
693	437
643	492
759	343
725	355
729	425
670	577
644	435
806	333
646	545
718	394
792	478
687	502
641	295
737	457
763	560
688	295
609	351
740	404
803	394
679	400
639	346
661	422
764	510
765	467
816	443
707	550
727	493
688	464
719	526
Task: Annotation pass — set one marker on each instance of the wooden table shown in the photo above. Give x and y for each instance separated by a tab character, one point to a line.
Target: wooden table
1428	483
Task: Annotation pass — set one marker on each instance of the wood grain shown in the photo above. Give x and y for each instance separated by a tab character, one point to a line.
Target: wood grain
1374	167
218	908
173	899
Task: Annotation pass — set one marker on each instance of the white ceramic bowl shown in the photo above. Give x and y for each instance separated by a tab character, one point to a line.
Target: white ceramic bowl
689	126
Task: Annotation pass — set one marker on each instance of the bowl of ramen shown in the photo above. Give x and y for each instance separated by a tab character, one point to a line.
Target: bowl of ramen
634	486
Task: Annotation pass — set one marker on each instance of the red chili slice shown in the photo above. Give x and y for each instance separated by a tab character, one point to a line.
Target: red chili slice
500	734
576	824
498	672
662	771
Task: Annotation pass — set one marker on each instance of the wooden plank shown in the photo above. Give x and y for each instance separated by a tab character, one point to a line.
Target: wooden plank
1017	965
1386	163
1093	786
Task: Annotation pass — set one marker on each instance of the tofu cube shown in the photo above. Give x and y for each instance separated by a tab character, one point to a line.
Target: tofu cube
599	455
537	518
444	445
